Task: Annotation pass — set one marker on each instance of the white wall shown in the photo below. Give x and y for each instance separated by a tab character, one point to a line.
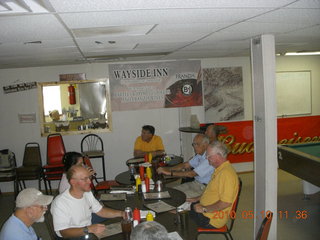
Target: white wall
126	125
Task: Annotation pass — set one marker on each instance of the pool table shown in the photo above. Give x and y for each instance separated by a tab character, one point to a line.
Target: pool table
301	160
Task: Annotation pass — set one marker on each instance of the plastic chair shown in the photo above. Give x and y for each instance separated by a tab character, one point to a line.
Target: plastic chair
265	227
92	146
55	152
225	230
96	185
8	168
31	166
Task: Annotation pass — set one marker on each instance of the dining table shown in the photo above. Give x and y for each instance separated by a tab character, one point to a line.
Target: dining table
186	229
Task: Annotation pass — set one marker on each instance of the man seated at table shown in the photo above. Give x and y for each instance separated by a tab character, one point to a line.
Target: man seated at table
31	206
148	143
198	167
212	132
219	194
71	210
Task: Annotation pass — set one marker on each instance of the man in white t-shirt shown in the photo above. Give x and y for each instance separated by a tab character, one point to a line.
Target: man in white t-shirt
71	210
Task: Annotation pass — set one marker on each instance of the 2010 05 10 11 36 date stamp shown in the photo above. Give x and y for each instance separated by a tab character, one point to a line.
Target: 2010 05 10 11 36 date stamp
249	214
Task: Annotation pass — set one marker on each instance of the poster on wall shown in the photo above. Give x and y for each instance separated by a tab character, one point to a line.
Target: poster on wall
155	85
223	94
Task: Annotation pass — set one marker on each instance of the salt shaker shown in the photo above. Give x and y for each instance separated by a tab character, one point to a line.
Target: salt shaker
159	186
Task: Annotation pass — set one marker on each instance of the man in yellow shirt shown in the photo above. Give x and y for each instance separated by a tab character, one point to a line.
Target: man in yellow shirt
212	208
148	143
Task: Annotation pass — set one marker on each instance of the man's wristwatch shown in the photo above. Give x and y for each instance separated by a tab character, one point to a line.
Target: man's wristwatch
204	209
86	230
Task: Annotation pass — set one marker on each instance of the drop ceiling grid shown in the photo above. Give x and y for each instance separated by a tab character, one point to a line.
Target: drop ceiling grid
289	16
99	5
218	45
305	4
190	27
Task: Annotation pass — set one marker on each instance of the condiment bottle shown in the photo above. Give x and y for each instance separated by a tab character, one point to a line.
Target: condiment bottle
149	173
146	157
138	182
141	171
143	187
147	181
149	217
136	217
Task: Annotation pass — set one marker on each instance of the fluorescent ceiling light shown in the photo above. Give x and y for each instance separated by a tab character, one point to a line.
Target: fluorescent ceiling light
301	53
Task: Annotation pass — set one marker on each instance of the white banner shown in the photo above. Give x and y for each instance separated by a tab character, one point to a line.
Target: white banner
155	85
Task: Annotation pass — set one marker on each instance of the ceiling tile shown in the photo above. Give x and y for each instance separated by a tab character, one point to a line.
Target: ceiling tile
191	27
290	16
99	5
146	17
31	28
305	4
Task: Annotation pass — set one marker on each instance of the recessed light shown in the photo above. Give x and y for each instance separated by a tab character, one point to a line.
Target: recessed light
302	53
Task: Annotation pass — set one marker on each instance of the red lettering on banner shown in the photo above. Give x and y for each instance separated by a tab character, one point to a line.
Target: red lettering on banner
239	138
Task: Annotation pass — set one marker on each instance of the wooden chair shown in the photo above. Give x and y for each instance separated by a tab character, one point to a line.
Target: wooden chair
31	168
265	227
8	169
225	230
92	146
55	167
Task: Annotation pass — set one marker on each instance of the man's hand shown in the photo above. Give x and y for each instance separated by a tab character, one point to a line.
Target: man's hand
192	200
96	228
164	171
198	208
91	171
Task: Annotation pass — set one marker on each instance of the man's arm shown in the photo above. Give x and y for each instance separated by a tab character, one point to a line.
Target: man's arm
217	206
110	213
78	232
140	153
177	170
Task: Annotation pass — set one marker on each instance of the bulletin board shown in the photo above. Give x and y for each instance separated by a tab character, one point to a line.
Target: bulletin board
293	93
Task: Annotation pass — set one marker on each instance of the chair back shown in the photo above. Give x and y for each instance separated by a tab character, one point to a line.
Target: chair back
91	143
87	162
235	204
265	227
7	164
32	155
55	149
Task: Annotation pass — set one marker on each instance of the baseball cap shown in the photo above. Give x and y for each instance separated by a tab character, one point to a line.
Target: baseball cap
31	196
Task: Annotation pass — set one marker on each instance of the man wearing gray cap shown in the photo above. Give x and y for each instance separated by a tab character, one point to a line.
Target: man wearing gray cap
31	206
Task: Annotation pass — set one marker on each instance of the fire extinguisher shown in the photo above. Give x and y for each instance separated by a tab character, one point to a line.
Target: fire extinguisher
72	95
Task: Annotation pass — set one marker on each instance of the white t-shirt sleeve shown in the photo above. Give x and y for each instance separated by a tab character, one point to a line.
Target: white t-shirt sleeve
95	204
60	215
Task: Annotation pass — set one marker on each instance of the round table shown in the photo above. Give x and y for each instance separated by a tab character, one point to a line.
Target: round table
137	200
174	160
167	219
125	178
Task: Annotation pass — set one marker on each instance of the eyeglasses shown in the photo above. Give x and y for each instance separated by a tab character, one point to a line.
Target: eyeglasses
195	144
42	207
85	179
